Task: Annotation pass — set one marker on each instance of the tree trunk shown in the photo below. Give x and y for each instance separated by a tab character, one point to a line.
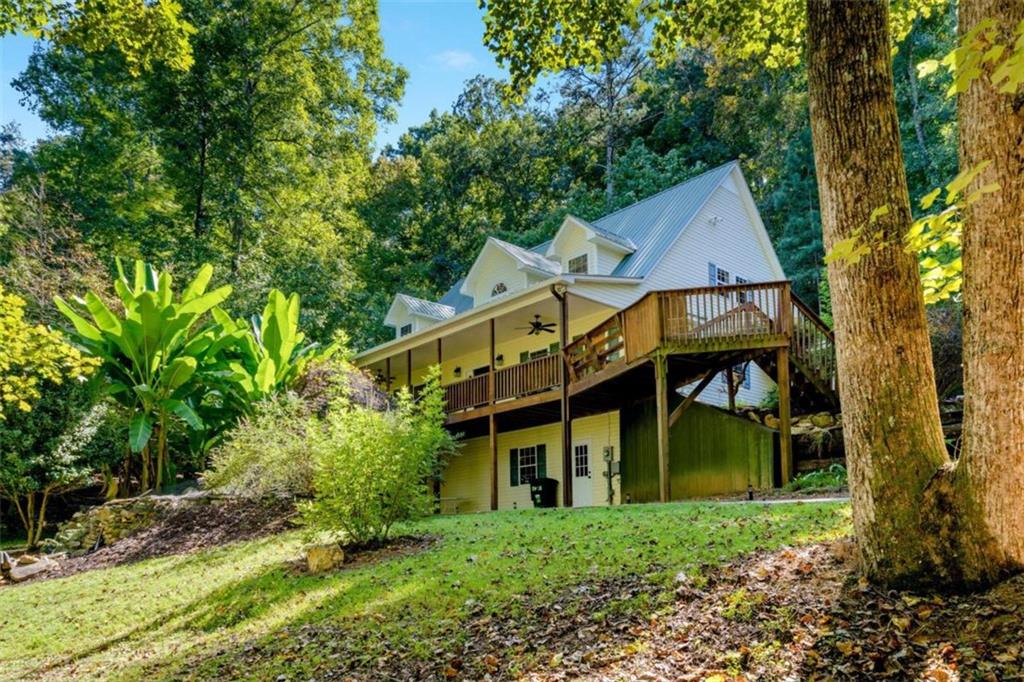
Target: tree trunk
144	480
40	523
609	135
915	110
894	442
990	476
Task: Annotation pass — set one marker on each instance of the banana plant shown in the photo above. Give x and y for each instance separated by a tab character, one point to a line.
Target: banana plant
272	355
154	353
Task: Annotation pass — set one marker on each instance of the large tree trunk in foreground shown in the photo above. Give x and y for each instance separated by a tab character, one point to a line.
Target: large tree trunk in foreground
894	442
990	475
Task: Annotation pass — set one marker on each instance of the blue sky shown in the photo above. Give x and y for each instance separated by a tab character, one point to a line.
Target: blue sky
440	43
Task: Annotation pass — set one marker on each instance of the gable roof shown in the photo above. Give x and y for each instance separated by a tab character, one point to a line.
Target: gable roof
525	259
422	307
654	223
625	242
529	258
647	229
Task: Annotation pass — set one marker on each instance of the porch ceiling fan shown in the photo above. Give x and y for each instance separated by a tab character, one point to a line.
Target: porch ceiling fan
536	327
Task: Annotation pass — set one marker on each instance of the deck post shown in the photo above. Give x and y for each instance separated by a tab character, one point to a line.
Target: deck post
561	294
733	388
785	437
661	394
492	425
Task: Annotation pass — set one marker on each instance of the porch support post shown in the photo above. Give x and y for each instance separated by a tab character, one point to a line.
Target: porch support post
439	352
733	388
408	369
387	375
562	295
661	395
492	425
785	437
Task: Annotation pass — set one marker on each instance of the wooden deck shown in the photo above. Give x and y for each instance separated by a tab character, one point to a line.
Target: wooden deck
714	325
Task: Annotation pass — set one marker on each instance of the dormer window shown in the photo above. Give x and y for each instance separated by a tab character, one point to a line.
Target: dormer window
405	330
499	289
578	265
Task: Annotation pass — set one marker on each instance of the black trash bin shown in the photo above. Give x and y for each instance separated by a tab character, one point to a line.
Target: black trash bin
544	492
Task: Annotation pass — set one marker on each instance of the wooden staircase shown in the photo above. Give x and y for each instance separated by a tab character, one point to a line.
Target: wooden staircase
812	360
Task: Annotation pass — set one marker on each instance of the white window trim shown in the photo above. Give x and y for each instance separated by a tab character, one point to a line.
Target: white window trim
523	480
590	458
586	263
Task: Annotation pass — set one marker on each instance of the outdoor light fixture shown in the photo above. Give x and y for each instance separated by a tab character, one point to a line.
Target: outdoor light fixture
458	372
499	360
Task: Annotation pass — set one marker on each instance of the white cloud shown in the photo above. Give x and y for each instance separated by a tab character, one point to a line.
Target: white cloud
456	60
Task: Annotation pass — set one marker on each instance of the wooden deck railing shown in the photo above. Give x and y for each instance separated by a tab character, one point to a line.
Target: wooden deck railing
472	392
813	344
701	319
698	320
517	381
715	317
527	378
710	320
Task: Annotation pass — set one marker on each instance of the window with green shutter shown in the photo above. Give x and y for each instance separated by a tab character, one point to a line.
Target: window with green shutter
526	464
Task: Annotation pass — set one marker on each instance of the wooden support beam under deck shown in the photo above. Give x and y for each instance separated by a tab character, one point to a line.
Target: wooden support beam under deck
492	425
689	400
785	437
661	400
567	463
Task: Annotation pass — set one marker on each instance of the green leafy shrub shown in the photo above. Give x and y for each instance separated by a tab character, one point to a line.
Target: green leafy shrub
830	478
49	451
373	469
268	453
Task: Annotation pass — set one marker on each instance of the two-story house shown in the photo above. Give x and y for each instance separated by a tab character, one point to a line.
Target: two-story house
580	356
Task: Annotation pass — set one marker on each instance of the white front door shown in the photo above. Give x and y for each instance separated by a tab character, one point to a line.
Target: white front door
582	475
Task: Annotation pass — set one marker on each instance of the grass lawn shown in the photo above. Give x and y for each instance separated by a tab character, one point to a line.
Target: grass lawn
205	614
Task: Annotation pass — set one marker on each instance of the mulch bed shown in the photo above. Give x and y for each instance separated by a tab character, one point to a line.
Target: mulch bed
191	526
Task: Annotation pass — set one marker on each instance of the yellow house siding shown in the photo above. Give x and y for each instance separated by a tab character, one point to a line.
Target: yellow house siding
468	475
467	478
496	266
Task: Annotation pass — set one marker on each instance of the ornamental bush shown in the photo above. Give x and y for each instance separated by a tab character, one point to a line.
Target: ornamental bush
268	453
373	469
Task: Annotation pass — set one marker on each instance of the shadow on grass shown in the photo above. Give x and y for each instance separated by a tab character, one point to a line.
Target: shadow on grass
411	610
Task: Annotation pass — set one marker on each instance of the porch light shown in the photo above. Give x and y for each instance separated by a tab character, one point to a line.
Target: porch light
499	360
458	372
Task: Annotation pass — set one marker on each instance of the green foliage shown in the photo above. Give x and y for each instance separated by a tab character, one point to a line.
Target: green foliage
164	358
50	450
154	355
832	478
267	453
32	356
250	159
143	33
374	469
273	356
534	38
